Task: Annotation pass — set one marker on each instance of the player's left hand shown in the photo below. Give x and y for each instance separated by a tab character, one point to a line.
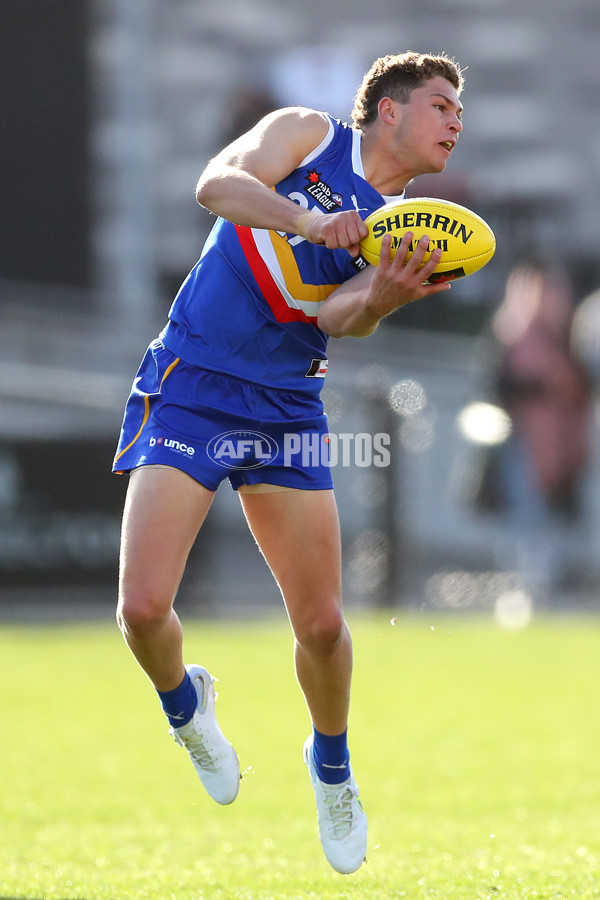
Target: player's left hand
398	281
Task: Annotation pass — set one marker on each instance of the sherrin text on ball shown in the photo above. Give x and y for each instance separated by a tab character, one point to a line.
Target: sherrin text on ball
467	242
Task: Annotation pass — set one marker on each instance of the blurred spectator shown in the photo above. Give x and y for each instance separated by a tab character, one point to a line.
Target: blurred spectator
547	393
586	334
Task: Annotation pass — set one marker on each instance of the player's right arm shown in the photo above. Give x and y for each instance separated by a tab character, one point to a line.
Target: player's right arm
237	183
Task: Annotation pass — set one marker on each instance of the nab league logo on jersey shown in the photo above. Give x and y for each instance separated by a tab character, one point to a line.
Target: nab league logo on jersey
321	192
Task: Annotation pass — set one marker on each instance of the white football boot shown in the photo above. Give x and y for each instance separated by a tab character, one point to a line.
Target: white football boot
212	756
341	819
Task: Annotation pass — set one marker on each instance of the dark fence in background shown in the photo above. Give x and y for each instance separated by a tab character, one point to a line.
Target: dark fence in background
46	173
60	511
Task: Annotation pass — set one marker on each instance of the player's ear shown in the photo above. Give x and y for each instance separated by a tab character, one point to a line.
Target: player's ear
388	110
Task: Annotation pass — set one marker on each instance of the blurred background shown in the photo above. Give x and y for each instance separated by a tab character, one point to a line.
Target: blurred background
109	111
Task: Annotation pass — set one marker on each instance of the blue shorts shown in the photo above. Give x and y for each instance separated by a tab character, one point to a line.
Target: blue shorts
215	426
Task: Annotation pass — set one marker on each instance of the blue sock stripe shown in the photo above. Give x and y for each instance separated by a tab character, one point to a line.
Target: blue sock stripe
331	757
180	703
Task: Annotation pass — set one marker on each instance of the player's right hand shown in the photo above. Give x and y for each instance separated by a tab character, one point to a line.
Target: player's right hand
342	230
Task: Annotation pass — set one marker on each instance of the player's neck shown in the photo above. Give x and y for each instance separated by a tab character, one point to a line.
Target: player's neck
382	169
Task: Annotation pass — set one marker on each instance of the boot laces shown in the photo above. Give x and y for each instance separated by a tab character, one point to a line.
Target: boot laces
341	809
198	751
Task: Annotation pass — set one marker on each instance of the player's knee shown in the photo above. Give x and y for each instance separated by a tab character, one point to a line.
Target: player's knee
141	613
322	634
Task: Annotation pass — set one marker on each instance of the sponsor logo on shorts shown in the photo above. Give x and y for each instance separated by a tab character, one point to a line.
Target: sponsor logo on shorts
172	444
242	449
317	368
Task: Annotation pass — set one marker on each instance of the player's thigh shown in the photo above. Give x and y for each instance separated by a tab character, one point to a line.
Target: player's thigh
164	510
298	533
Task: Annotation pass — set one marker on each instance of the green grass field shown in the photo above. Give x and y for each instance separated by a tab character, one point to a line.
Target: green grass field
477	752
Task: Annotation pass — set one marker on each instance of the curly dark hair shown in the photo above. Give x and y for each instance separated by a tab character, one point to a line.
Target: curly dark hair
396	77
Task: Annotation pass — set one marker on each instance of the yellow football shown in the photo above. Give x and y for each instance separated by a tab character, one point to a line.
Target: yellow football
467	242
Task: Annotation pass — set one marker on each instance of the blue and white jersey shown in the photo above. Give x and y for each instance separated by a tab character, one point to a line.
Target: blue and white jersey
249	306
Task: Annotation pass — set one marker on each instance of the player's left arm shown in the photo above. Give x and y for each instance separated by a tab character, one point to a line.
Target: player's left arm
357	307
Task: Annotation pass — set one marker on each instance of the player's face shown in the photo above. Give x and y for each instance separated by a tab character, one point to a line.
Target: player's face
428	126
